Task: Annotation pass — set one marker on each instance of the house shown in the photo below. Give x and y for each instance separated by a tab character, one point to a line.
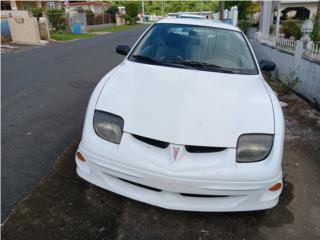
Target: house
275	12
95	7
298	10
27	5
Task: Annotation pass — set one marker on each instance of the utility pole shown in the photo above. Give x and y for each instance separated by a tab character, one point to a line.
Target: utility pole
162	8
201	6
221	10
318	15
142	7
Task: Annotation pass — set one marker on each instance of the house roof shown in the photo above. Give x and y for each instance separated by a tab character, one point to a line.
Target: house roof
88	3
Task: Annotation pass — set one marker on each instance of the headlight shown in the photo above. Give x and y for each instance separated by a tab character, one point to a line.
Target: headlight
254	147
108	126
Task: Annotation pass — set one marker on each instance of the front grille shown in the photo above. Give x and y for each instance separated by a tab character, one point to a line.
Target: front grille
152	142
200	149
189	148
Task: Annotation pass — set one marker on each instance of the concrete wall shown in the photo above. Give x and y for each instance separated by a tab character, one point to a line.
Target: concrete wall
291	67
23	28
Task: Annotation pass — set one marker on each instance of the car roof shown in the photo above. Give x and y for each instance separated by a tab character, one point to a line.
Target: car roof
200	22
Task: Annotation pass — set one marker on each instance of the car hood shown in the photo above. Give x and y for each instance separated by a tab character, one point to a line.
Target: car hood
187	107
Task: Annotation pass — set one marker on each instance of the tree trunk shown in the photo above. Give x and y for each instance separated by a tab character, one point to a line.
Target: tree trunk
318	15
162	8
221	10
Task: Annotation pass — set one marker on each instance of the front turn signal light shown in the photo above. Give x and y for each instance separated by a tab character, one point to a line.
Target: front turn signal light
275	187
80	157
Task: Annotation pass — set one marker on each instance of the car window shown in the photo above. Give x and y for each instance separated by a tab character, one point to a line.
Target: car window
212	47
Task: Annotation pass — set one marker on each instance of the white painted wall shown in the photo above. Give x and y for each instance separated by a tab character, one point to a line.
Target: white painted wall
306	71
23	28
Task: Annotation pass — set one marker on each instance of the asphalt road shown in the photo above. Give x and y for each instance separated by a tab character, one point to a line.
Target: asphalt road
44	96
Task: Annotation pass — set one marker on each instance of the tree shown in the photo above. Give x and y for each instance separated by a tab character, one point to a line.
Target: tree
57	19
132	8
37	12
291	29
112	11
179	6
132	11
318	15
221	3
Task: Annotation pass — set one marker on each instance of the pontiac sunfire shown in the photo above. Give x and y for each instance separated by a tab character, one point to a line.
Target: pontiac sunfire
186	122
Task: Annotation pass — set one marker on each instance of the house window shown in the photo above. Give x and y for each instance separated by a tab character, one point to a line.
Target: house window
51	5
5	5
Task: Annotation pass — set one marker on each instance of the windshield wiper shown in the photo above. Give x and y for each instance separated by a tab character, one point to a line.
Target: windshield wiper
206	66
146	59
189	64
193	64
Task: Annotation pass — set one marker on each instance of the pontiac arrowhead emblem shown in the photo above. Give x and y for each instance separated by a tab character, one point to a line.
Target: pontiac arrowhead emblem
175	151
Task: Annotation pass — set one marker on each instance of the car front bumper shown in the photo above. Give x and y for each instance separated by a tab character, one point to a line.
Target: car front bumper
181	188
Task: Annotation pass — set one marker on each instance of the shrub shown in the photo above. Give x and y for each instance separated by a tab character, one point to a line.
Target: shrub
291	29
244	25
132	10
130	20
112	11
315	34
37	12
271	30
57	19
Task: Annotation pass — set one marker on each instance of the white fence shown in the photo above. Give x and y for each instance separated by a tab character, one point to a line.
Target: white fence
231	15
312	52
286	45
295	64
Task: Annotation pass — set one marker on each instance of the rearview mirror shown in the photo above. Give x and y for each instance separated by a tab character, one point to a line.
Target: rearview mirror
123	49
266	65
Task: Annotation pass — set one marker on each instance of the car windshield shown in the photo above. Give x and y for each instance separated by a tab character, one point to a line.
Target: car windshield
196	47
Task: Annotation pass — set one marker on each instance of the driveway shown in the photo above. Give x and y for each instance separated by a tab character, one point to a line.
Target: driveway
44	95
63	206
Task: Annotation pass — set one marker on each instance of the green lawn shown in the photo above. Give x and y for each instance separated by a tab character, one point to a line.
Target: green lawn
69	36
114	28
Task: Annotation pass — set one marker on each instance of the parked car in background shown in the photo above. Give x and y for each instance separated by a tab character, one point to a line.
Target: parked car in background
193	16
185	15
186	122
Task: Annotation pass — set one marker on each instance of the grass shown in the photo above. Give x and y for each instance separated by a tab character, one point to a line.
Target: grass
64	36
69	36
114	28
278	86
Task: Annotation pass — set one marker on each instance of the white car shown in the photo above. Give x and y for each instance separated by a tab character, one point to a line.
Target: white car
186	122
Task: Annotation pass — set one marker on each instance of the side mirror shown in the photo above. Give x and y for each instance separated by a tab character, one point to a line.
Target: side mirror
123	49
267	65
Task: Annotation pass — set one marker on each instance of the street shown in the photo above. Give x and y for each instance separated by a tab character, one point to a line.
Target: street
44	96
45	92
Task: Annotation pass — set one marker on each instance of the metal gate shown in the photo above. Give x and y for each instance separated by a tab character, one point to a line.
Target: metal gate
5	30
